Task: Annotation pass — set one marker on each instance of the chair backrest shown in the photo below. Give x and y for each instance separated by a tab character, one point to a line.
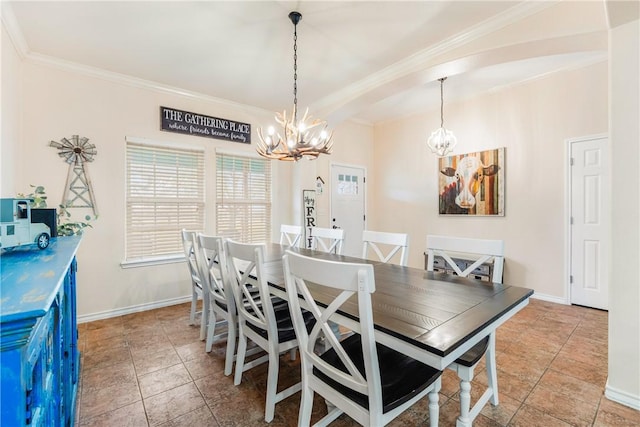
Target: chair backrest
392	244
484	249
245	263
213	270
327	239
290	235
190	248
344	280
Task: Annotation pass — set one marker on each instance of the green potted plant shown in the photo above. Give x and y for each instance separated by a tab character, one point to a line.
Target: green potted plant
65	227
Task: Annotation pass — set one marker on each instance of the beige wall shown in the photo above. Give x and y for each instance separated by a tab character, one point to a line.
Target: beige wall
352	145
623	384
59	103
532	121
10	87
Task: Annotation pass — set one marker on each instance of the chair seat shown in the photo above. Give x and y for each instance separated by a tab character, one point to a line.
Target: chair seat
474	354
402	377
284	323
221	305
276	301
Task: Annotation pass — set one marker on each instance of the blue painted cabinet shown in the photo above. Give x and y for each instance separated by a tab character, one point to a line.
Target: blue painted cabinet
39	358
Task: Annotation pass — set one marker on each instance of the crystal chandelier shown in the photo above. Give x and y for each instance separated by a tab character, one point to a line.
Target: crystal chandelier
442	141
295	138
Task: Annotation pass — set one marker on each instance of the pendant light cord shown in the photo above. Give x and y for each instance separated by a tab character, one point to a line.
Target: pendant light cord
441	103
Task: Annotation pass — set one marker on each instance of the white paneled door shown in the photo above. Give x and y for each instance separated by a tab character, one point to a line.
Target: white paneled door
348	205
589	222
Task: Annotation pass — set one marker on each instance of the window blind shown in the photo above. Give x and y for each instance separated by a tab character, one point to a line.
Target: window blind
243	198
165	193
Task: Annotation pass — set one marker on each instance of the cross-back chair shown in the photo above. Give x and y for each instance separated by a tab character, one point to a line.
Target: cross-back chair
371	383
264	322
484	250
212	263
386	245
197	288
327	239
290	235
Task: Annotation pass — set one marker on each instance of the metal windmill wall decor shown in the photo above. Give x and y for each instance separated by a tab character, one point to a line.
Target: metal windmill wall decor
77	152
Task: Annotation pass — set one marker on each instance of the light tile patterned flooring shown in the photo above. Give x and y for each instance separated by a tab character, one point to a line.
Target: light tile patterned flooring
150	369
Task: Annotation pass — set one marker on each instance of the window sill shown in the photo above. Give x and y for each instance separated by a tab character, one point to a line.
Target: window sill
168	259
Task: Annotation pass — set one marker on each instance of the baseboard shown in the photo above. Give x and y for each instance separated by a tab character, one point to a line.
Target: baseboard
622	397
550	298
132	309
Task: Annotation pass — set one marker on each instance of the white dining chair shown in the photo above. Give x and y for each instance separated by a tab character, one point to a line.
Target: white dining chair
386	246
290	235
222	308
484	250
260	319
197	288
327	239
368	381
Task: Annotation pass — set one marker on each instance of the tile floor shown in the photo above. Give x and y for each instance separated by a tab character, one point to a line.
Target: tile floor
150	369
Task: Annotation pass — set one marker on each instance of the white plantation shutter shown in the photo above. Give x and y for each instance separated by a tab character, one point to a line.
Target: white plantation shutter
165	193
243	198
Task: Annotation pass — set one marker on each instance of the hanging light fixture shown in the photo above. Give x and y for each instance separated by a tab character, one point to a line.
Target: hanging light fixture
441	141
296	138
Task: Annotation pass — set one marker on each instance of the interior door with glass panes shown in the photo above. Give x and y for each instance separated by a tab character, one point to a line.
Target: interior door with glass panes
348	205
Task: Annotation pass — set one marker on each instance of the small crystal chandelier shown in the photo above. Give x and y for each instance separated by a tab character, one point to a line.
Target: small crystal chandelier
305	137
442	141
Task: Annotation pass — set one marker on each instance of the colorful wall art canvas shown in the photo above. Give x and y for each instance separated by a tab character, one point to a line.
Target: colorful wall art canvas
472	184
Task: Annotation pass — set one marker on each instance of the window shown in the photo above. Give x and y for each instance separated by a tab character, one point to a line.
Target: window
22	210
165	193
243	198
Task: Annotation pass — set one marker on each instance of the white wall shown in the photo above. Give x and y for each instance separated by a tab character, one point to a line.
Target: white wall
623	384
59	103
532	121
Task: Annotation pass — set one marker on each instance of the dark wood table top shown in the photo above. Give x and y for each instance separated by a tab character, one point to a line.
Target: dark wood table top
436	312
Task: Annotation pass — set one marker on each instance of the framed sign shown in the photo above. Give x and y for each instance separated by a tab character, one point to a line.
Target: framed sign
472	184
309	215
178	121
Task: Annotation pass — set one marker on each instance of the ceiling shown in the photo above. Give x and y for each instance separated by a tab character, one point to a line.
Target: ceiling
365	60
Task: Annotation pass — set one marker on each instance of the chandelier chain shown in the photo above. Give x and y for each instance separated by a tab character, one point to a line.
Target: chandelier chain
295	73
308	137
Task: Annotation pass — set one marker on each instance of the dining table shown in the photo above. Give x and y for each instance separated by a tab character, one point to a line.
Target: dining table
431	316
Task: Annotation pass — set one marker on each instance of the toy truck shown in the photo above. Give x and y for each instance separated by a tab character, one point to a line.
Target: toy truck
17	228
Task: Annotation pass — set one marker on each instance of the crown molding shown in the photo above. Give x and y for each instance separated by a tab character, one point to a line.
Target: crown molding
420	60
13	29
15	33
332	102
136	82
